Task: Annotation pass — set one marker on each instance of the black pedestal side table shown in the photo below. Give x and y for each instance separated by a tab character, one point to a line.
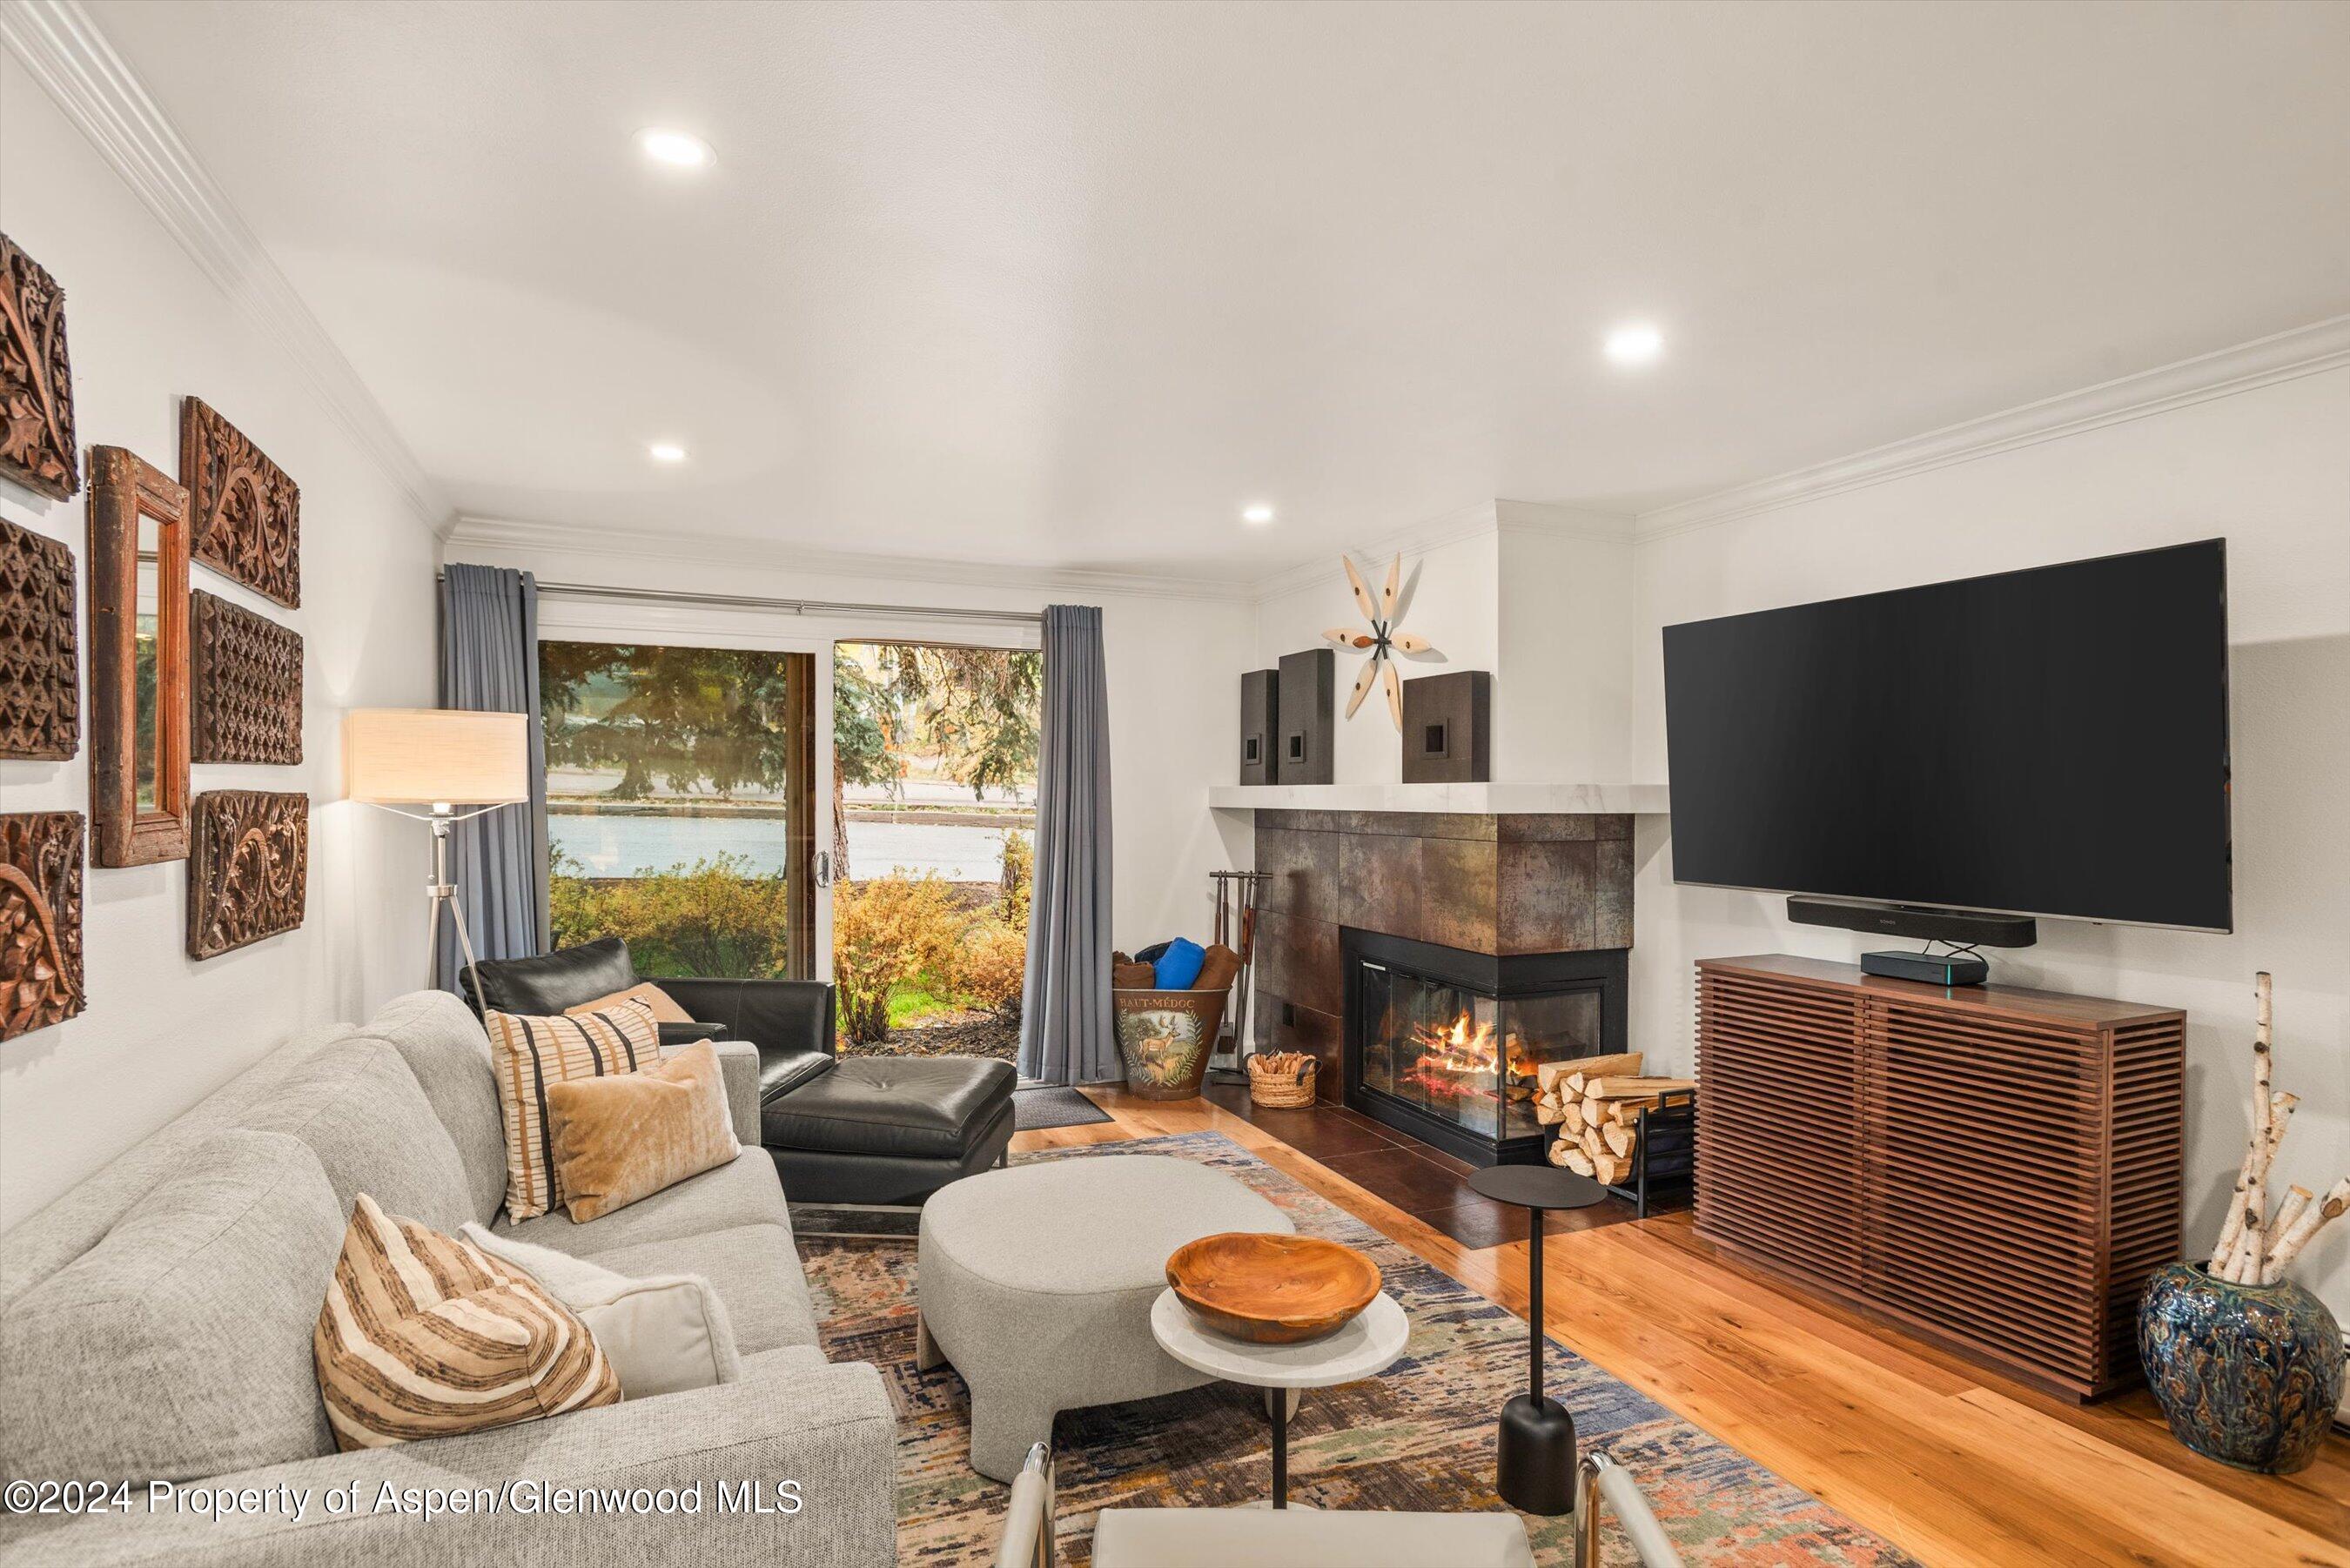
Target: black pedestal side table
1537	1443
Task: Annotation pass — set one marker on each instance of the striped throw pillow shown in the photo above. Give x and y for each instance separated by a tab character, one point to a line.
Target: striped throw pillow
425	1336
529	1054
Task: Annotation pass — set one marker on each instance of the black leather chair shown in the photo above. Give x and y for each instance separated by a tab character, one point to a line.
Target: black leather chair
888	1130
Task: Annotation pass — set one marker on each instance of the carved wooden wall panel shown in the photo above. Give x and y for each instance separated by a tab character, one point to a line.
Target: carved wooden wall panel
248	868
36	424
40	919
40	692
247	677
247	514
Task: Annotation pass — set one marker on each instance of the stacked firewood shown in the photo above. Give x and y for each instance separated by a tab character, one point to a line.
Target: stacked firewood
2255	1245
1592	1105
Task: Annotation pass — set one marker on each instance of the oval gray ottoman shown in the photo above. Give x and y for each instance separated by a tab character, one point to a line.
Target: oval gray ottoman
1036	1283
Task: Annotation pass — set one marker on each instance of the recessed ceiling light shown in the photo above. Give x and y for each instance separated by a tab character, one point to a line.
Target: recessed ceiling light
1256	513
681	149
665	452
1636	344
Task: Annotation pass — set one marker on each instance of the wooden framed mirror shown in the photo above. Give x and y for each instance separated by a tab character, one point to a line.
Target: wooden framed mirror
139	661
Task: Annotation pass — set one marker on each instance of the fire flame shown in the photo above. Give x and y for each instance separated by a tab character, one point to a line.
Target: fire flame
1463	1060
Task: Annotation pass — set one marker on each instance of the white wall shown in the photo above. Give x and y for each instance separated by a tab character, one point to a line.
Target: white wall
2269	468
1450	598
1540	597
1172	665
146	327
1562	685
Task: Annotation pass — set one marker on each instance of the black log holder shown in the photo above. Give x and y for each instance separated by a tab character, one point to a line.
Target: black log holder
1664	1157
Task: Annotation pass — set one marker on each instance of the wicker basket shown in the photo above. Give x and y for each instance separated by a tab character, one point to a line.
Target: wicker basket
1280	1091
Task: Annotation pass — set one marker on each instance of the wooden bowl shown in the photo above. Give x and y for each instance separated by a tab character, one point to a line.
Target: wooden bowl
1272	1290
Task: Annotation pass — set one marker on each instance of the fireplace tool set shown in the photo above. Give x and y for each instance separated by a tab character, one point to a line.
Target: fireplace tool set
1237	894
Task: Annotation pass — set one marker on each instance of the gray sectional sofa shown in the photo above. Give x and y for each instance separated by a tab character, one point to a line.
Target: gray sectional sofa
155	1326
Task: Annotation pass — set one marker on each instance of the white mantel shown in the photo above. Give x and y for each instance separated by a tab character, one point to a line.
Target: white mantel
1470	799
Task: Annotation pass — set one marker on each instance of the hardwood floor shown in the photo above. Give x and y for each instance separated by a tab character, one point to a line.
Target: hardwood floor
1950	1462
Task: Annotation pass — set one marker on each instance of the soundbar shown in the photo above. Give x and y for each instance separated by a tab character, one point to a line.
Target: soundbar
1962	927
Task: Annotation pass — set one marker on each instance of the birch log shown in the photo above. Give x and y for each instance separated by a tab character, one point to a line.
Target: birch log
2253	1246
2250	1199
2245	1263
2313	1219
2296	1198
2224	1255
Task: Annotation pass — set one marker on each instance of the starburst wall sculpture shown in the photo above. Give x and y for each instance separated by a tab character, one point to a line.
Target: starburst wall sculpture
1382	642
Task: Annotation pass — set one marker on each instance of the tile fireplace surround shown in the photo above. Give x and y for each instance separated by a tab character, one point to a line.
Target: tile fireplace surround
1502	884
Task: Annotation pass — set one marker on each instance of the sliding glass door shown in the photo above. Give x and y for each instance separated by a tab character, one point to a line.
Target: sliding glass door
932	840
680	809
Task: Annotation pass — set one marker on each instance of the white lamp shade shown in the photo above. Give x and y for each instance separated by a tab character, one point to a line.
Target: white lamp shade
435	755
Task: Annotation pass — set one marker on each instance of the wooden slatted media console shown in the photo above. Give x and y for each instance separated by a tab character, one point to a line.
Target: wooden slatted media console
1994	1168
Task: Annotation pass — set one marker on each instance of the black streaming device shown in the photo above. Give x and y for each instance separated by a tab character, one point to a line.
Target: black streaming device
1961	968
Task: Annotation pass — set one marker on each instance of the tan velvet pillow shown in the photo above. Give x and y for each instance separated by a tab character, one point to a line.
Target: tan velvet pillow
620	1138
664	1010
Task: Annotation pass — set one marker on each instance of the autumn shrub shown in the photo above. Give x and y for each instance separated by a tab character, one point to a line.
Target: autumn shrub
1019	877
991	966
714	917
886	932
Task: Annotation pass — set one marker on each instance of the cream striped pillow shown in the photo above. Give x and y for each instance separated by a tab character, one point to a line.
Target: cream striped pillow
425	1336
529	1054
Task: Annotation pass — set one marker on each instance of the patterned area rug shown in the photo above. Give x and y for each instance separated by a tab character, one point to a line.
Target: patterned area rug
1421	1436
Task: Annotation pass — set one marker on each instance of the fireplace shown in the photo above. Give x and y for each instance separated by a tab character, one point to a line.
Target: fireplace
1443	1044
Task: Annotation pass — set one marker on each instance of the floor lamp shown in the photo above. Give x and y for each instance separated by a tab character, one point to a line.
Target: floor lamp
442	759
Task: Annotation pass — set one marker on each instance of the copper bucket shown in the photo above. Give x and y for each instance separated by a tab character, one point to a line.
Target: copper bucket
1165	1037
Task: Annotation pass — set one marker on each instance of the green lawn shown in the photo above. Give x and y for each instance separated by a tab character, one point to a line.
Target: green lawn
913	1003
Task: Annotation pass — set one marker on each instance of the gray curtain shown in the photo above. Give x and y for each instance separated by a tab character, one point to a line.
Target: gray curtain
1064	1028
489	664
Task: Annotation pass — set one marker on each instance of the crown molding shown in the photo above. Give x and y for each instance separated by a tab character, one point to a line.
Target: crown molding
63	48
1545	518
2284	356
1470	522
533	541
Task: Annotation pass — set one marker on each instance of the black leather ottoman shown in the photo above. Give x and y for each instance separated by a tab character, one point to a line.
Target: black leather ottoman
886	1129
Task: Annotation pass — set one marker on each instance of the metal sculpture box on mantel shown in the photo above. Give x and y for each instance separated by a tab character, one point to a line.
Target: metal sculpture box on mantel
1307	683
1260	726
246	676
40	919
40	665
1448	728
244	511
248	868
37	449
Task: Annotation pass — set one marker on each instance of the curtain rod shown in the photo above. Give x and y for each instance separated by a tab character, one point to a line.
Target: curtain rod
791	606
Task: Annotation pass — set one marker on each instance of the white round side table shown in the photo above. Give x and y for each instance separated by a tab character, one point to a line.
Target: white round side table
1367	1345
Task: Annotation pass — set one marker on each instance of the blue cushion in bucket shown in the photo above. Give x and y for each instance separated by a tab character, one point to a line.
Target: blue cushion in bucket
1180	965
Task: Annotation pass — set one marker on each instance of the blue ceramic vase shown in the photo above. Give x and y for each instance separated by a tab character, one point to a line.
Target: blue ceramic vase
2247	1375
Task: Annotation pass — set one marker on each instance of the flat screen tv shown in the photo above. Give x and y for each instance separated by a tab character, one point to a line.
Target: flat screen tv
2049	743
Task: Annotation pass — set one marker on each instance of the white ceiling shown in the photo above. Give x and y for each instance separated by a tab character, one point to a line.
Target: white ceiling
1067	285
